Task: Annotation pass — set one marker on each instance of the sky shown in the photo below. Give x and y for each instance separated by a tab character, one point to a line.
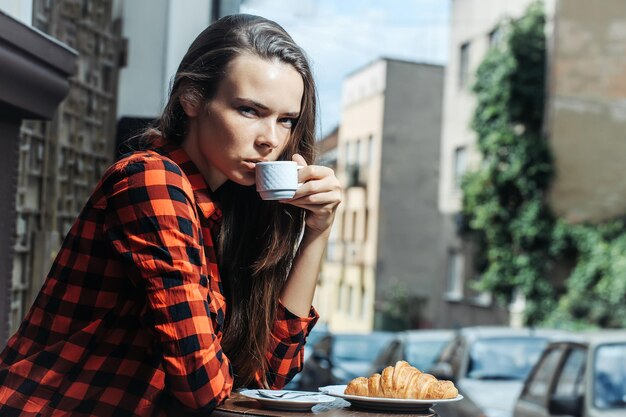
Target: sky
341	36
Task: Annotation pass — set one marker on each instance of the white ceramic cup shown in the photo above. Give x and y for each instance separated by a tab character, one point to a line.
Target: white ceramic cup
277	180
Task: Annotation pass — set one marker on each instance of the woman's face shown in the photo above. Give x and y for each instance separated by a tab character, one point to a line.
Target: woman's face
249	119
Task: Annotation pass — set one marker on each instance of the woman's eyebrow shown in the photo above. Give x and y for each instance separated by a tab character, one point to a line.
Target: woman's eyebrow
263	106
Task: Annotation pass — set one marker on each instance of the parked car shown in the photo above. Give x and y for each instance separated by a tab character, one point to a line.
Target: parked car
488	365
420	348
339	357
581	377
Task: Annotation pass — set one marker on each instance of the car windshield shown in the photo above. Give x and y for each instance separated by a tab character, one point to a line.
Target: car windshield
610	376
422	354
315	336
506	358
358	347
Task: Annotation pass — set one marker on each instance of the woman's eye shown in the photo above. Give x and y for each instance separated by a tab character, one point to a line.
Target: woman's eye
288	122
247	111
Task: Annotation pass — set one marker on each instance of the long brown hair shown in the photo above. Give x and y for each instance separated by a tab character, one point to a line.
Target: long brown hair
258	239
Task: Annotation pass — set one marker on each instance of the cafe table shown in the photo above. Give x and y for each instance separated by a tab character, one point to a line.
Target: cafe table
238	405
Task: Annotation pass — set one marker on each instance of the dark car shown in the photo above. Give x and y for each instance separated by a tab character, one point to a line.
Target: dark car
337	358
584	376
488	366
420	348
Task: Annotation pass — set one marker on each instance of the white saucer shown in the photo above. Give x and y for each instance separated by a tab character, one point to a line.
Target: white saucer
384	404
302	400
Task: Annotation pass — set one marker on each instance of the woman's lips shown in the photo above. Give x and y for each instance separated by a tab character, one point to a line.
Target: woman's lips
250	164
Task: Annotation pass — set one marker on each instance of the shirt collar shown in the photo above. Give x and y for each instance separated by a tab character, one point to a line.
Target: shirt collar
205	198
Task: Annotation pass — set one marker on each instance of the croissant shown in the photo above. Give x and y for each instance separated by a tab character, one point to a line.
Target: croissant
402	381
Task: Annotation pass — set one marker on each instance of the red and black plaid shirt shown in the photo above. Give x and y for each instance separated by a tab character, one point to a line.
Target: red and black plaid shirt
131	314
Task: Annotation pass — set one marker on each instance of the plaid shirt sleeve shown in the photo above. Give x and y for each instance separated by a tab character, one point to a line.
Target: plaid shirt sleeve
152	222
286	350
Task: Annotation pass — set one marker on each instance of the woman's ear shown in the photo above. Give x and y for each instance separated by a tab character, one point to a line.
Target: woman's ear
190	103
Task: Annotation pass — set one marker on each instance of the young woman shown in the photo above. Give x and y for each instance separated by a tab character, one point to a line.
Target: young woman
177	283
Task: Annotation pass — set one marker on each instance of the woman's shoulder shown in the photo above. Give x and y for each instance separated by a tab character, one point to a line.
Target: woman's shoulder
141	169
146	161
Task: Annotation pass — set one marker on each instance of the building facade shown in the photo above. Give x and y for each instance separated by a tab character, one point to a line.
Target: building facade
586	110
34	71
474	29
383	249
61	161
326	149
584	123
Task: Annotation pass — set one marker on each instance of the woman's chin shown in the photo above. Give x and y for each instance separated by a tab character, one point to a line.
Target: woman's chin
245	180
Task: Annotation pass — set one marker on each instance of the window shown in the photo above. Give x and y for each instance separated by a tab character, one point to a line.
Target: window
455	275
107	78
346	226
359	225
570	383
350	303
495	37
353	225
349	153
539	385
354	173
370	149
357	150
331	248
464	64
460	165
366	224
338	294
610	377
362	295
504	358
352	163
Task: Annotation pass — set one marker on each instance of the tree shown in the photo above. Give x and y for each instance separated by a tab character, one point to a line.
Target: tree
504	200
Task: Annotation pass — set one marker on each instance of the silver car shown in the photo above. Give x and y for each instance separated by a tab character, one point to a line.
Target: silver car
420	348
489	365
584	376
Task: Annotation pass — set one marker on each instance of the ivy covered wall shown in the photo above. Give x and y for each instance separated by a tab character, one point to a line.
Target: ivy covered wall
521	243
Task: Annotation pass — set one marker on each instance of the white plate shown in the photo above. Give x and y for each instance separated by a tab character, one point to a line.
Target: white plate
382	404
292	400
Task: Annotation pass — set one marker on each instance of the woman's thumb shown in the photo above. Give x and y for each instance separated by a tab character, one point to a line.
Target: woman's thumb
299	159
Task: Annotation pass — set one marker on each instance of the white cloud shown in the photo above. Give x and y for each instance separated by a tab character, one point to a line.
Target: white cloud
342	35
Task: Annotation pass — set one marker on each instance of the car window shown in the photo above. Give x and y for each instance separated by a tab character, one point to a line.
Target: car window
504	358
397	354
570	382
315	336
457	356
392	352
386	357
358	347
610	377
539	383
422	354
448	350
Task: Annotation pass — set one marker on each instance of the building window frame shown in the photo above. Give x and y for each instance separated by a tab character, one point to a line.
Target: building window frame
464	61
455	275
459	166
495	37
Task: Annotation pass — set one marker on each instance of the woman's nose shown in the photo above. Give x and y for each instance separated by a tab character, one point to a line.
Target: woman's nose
268	137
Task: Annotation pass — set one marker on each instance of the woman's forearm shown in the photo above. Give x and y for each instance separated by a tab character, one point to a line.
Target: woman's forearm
297	295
